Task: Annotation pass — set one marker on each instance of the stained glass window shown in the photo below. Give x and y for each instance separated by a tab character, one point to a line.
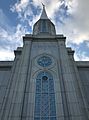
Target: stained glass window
43	26
44	61
45	108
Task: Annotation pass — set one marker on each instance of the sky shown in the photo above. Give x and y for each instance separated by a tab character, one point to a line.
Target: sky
71	18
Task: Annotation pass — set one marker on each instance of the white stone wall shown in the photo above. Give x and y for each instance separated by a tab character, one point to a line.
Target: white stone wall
19	100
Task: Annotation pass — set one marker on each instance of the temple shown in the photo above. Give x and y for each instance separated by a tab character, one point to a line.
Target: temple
44	82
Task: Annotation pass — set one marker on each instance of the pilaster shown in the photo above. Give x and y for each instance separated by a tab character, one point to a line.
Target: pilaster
13	103
72	109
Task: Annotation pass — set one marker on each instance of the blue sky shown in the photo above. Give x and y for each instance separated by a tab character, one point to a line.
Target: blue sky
70	17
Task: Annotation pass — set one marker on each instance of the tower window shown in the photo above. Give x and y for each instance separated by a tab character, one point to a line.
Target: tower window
43	26
45	108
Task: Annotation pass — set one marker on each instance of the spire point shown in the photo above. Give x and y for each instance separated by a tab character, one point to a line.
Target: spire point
43	5
43	14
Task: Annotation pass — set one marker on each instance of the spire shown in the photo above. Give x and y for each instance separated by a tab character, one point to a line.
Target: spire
43	15
44	25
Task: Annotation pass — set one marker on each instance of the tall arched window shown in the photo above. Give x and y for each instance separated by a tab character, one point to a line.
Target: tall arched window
44	97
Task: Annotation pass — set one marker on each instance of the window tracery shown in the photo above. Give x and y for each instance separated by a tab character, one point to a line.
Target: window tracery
44	61
44	97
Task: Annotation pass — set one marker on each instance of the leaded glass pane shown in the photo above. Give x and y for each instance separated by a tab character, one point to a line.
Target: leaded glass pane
38	86
45	105
37	118
51	86
45	118
44	61
45	97
43	29
52	118
52	105
44	86
38	105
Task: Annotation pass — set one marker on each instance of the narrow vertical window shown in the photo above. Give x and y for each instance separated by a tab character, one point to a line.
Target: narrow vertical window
45	108
43	26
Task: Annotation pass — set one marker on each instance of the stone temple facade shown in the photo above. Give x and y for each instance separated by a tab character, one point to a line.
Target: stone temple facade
44	82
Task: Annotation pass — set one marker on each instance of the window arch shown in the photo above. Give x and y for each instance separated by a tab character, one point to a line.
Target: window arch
44	97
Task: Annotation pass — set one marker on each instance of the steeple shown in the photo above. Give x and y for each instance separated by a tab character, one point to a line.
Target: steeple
44	25
43	15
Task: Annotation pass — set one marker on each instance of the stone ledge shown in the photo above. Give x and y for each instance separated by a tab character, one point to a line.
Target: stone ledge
4	64
43	36
82	63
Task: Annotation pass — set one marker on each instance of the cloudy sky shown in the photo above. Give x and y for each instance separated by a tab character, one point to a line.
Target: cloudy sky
71	18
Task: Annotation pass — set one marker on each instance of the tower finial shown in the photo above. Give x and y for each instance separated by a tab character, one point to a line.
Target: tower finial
43	4
43	15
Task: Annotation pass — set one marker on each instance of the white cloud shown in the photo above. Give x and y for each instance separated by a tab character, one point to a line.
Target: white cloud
81	56
6	55
10	37
15	37
51	6
88	44
4	21
9	42
75	28
20	6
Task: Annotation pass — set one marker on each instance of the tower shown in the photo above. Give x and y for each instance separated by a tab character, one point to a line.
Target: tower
44	83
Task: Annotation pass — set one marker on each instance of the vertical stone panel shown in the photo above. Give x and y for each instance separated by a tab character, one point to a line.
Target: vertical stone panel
12	106
69	81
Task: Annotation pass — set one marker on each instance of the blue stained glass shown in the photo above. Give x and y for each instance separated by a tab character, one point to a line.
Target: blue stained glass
44	118
44	86
37	118
52	109
43	26
38	86
45	97
52	118
45	105
38	105
51	86
44	61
